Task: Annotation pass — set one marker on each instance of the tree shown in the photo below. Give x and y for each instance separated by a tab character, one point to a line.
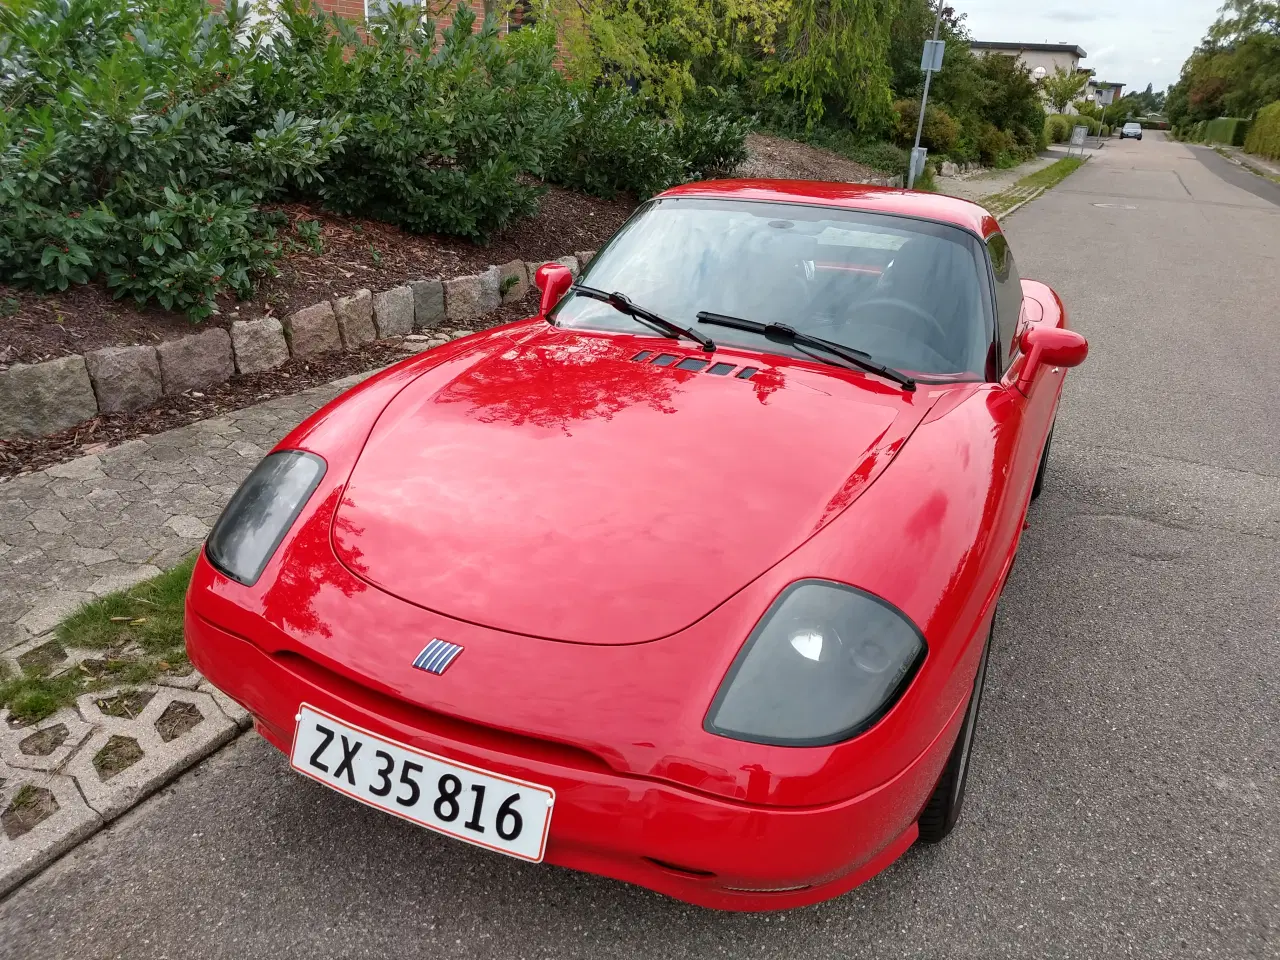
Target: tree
1062	87
836	53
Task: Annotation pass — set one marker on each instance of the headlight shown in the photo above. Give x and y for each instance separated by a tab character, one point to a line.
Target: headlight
824	663
261	512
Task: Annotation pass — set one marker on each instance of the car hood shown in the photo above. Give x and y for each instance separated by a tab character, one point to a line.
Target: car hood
548	483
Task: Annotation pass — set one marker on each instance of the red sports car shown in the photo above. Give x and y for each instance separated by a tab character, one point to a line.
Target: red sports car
687	580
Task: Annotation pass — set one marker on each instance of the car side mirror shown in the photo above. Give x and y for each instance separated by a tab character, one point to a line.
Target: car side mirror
554	280
1049	346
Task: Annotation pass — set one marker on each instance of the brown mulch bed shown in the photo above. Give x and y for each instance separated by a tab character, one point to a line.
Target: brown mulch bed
774	158
22	455
356	253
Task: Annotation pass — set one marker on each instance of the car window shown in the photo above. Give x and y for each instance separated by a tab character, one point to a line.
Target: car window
908	292
1008	294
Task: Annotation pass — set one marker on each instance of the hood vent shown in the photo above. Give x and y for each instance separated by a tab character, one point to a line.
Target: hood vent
693	364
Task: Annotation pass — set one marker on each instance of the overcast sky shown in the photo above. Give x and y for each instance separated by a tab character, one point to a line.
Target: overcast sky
1134	42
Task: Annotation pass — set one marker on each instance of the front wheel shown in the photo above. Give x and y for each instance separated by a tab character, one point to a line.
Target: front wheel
943	809
1038	486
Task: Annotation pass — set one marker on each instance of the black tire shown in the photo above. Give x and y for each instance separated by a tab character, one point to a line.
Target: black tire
1043	468
942	812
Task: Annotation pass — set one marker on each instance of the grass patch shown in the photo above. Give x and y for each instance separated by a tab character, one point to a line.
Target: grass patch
137	631
1029	186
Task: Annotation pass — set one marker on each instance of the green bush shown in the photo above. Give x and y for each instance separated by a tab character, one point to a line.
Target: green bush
1228	130
710	145
994	143
941	131
612	144
1264	134
125	152
1106	130
1058	128
141	137
437	136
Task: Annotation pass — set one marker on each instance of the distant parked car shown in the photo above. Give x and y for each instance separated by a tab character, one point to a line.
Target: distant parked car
1131	130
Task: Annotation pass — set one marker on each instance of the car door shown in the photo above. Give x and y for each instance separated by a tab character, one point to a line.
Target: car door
1037	401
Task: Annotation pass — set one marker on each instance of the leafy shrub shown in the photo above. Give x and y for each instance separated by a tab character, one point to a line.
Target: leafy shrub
994	143
1058	128
612	143
941	130
1264	135
123	153
1228	130
1106	130
711	145
436	137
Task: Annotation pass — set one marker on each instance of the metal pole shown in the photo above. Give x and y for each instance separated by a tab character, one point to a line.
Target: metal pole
924	99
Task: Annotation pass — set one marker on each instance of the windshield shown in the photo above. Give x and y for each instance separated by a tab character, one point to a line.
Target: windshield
910	293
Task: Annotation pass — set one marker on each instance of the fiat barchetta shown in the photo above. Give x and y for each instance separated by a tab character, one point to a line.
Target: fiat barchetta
687	580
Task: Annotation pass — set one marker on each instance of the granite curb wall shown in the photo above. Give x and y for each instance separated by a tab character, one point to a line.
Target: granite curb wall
40	399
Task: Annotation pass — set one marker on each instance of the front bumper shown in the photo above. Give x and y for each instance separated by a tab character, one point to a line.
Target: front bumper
699	848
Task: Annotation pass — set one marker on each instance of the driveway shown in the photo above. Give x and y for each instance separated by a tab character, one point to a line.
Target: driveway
1124	798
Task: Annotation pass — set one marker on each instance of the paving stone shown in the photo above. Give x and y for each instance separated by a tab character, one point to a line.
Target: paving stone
49	520
16	743
428	303
393	312
160	760
124	378
123	581
41	398
584	257
52	609
513	281
190	527
71	822
196	362
571	263
258	344
313	330
355	319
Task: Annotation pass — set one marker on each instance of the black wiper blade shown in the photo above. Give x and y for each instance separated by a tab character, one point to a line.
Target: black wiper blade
622	303
785	334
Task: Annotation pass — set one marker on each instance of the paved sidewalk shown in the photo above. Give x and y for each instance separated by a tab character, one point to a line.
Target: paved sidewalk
989	182
88	527
107	521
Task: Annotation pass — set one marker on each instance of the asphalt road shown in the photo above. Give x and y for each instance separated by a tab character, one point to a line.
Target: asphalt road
1124	798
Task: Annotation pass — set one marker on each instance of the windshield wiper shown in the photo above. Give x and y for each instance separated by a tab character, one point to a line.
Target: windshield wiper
622	303
782	333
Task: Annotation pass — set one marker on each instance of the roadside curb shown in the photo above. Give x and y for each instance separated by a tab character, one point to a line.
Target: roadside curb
1021	203
81	768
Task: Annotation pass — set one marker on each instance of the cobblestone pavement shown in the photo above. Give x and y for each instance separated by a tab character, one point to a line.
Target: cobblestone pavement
104	522
76	531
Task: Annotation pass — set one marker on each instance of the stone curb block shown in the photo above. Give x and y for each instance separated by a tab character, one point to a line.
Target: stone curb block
428	303
259	344
393	312
37	399
514	277
355	319
196	362
160	761
313	330
124	378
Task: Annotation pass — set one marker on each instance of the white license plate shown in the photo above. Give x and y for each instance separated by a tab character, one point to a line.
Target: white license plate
487	809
